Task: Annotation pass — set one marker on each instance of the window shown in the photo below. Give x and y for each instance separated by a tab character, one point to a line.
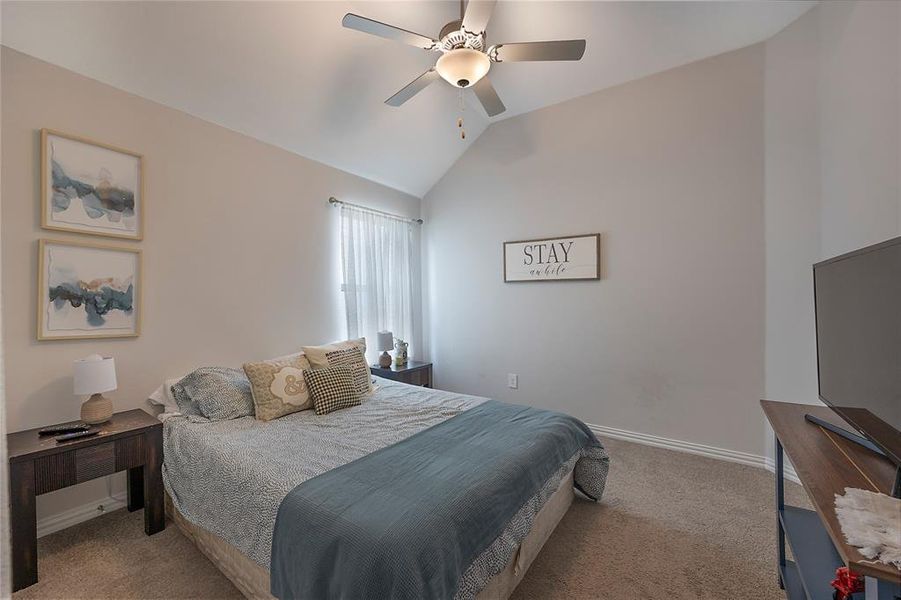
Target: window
377	266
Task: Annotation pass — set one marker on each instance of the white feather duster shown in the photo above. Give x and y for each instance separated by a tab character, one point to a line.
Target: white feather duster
872	523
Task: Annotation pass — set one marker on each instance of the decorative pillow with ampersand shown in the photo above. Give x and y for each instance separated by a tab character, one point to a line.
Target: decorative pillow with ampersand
278	386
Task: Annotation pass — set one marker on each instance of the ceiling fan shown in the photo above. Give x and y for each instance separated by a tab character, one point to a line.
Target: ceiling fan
465	56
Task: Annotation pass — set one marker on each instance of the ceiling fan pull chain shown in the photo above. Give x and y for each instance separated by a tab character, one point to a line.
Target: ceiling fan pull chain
460	119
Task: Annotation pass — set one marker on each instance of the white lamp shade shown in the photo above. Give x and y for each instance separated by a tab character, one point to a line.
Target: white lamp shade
94	375
386	341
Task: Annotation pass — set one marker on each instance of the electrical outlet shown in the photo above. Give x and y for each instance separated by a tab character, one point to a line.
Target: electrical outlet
512	381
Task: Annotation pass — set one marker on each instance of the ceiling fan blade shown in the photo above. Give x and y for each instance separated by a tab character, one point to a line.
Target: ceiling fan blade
526	51
352	21
477	14
413	88
488	97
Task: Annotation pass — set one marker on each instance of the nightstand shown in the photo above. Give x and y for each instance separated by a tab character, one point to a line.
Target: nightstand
131	440
414	373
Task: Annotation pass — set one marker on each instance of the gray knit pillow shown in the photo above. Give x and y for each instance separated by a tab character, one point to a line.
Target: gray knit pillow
217	393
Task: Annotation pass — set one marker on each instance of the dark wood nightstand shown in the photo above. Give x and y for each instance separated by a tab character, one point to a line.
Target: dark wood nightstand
414	373
131	440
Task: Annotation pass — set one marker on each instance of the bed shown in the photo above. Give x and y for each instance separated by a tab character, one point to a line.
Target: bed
226	481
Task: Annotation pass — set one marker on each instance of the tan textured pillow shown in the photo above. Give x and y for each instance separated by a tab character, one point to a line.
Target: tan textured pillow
351	353
278	386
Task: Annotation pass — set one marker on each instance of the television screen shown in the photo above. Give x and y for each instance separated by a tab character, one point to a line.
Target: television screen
858	328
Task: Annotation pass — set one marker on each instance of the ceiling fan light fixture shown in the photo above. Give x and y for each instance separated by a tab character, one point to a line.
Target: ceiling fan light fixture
463	67
464	62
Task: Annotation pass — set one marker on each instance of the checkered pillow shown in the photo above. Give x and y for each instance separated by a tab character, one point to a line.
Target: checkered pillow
332	388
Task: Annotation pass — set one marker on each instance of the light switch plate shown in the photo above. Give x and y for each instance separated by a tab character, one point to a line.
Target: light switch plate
512	381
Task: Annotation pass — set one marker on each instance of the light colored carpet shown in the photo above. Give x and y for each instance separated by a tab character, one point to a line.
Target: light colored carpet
671	525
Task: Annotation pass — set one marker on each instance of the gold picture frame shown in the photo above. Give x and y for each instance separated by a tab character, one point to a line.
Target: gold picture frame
77	215
68	292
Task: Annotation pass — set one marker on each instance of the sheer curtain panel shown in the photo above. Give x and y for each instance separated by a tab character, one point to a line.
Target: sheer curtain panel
377	264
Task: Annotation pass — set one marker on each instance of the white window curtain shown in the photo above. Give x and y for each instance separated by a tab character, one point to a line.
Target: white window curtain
377	264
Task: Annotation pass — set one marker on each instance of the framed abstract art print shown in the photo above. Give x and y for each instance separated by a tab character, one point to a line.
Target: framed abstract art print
90	187
88	291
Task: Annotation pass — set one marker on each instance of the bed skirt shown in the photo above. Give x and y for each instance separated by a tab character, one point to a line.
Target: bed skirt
252	580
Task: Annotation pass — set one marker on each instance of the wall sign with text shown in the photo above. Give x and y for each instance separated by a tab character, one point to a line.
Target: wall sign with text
553	259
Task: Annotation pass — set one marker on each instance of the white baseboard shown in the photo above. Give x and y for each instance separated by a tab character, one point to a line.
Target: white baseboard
73	516
770	465
743	458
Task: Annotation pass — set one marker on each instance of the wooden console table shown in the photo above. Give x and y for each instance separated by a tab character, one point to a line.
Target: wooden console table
826	464
131	440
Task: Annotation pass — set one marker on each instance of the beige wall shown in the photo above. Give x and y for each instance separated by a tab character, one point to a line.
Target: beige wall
858	99
792	210
816	114
833	182
833	167
669	169
239	252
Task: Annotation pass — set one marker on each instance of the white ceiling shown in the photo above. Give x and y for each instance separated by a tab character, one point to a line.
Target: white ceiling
287	73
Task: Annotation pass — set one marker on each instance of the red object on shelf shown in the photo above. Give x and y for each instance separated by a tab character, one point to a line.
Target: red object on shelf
846	583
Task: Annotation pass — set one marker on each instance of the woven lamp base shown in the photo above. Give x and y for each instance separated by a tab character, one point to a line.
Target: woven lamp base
96	409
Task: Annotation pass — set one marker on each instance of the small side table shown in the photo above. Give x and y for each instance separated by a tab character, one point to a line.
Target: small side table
414	373
826	464
131	440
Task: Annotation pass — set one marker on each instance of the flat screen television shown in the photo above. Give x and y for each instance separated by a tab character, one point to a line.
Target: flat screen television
858	328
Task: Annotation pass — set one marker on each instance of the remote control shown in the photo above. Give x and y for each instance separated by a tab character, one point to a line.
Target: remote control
77	435
68	428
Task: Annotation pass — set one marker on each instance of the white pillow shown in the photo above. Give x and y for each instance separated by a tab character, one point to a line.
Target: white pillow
162	396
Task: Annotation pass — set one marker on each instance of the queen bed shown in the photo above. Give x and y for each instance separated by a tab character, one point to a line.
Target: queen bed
227	482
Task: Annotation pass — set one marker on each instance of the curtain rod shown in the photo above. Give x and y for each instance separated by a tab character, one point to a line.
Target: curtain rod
334	201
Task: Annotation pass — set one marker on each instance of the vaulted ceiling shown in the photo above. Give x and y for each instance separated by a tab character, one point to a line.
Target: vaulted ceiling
287	73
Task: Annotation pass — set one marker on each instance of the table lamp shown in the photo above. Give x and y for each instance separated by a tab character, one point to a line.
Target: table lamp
386	342
93	376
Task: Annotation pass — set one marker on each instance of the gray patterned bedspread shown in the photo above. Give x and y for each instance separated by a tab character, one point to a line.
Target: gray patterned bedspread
230	477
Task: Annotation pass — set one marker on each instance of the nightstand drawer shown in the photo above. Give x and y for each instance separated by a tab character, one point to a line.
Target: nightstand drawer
95	461
54	472
57	471
420	377
129	452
